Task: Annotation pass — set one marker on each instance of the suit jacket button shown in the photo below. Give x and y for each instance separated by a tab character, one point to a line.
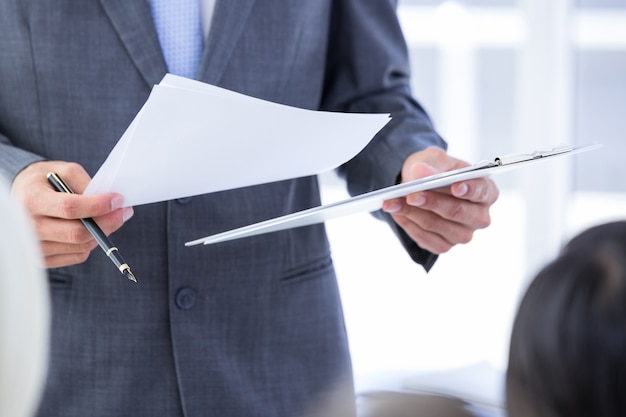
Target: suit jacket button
185	298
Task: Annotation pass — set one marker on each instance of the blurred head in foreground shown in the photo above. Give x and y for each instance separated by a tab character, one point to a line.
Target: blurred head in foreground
24	312
568	344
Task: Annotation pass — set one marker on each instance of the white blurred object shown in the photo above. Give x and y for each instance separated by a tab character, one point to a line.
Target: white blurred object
24	312
480	384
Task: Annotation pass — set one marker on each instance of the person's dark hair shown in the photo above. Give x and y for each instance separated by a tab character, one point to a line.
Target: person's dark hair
567	355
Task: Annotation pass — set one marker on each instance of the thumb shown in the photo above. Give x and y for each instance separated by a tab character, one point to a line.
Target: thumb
417	170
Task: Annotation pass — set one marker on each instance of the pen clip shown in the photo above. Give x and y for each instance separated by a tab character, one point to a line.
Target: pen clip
515	158
58	183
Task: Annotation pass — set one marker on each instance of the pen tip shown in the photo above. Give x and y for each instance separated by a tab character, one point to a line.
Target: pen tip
130	275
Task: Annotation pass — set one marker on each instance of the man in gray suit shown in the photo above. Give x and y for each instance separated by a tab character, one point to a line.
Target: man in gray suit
246	328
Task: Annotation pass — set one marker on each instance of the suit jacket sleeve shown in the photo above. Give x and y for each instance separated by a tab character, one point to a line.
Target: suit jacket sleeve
13	160
368	71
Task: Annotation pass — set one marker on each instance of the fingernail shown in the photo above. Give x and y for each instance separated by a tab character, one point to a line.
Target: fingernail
461	190
117	202
417	201
127	213
393	207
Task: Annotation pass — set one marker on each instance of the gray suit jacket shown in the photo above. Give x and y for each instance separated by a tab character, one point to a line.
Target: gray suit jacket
246	328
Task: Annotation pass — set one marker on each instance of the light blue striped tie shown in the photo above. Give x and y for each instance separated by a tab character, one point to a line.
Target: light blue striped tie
178	24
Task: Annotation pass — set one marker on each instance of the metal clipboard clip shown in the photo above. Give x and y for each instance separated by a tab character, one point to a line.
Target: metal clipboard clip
525	157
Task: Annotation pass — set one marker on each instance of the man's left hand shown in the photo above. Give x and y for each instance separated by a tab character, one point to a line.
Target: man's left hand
439	219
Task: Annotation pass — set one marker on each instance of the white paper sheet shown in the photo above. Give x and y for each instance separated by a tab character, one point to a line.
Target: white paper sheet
192	138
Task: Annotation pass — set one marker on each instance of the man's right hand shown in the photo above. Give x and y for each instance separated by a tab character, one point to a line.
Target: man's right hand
55	216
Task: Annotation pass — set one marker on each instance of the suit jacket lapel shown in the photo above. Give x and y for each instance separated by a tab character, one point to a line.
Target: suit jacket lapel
133	22
229	21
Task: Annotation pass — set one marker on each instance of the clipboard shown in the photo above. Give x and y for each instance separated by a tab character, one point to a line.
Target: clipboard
373	200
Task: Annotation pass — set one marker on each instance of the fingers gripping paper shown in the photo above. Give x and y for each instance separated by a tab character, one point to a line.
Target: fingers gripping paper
192	138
